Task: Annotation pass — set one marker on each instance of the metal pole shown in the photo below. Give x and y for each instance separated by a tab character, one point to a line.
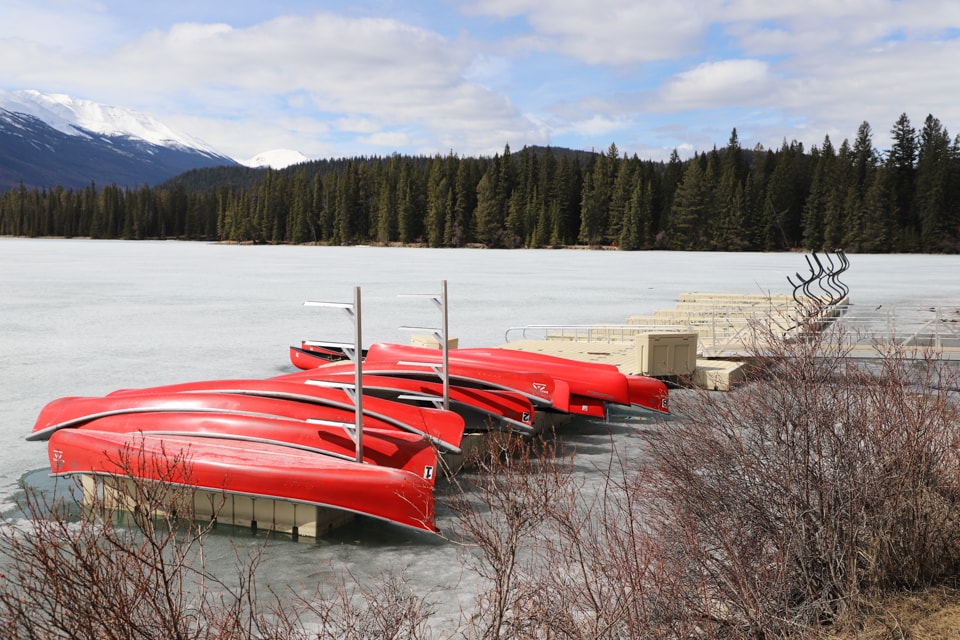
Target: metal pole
446	348
358	373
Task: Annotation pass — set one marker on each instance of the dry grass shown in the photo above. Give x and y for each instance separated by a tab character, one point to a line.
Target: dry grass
931	614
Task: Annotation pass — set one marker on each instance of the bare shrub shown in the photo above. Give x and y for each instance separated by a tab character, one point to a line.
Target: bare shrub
384	607
562	560
502	503
790	503
797	497
92	577
598	572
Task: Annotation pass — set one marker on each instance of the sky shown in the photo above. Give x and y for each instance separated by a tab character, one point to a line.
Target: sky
377	77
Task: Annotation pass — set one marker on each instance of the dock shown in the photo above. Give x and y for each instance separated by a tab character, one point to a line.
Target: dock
709	338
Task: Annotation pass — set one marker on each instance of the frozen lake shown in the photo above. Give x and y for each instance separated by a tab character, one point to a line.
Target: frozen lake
80	317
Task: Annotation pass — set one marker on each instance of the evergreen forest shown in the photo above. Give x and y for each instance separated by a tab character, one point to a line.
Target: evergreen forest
854	197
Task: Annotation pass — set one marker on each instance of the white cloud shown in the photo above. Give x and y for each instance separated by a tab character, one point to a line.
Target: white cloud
358	125
72	26
366	71
713	85
598	126
609	31
388	139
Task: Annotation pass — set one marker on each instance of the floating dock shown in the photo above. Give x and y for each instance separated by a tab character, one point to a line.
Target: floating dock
709	338
706	338
116	494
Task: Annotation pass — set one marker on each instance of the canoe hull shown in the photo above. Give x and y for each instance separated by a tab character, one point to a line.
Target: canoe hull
444	428
591	385
482	409
250	469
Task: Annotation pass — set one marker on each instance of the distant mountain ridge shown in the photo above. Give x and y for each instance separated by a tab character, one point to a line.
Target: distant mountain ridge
52	139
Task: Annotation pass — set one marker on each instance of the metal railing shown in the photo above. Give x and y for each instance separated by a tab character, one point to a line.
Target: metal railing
588	332
734	331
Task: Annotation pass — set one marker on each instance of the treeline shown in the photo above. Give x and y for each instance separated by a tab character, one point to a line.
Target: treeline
729	199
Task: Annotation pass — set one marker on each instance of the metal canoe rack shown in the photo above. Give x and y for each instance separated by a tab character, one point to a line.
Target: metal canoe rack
442	335
354	352
825	277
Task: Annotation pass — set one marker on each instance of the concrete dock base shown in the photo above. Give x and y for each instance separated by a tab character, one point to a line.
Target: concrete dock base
718	375
117	495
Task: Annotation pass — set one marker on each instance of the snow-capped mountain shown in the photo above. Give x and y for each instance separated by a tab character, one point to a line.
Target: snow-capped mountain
54	139
74	116
276	159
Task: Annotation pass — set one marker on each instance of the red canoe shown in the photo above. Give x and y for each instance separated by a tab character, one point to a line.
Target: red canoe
310	355
591	385
72	411
250	417
387	447
481	408
443	428
255	469
540	389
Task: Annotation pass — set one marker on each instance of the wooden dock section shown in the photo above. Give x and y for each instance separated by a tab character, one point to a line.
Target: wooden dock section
725	329
705	338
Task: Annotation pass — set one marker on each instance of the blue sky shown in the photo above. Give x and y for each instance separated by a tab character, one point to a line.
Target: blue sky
374	77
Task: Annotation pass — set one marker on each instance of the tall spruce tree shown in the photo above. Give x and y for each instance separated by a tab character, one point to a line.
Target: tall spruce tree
489	214
901	165
595	197
933	184
813	219
690	207
730	232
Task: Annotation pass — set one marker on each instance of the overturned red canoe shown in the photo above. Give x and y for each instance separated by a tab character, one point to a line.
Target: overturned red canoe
482	409
541	390
72	411
242	467
443	428
328	432
591	385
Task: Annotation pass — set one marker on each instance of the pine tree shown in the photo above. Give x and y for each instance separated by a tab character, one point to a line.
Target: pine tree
438	202
626	176
835	213
488	214
813	219
778	203
690	207
300	229
878	215
348	205
408	204
595	198
465	203
730	232
901	164
325	204
565	215
933	183
631	229
387	221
